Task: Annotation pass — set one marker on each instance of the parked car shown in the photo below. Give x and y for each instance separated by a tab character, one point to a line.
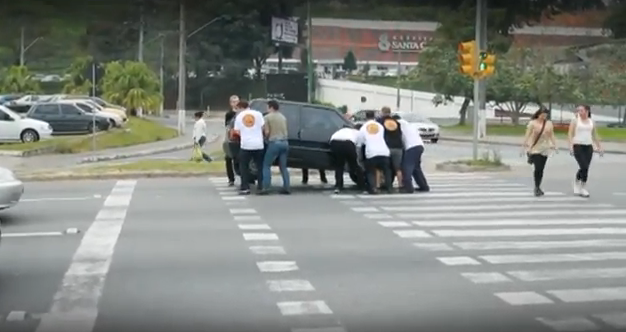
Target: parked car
14	128
68	118
310	127
8	98
90	107
11	189
428	130
21	108
106	106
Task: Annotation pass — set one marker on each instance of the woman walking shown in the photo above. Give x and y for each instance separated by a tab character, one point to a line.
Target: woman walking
538	142
582	136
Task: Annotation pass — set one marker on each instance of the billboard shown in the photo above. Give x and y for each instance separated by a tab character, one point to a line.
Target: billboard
284	31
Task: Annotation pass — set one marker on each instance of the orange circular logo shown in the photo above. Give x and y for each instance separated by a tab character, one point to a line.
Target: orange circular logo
390	125
372	128
248	120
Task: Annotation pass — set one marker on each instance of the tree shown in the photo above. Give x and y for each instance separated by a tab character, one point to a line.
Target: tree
17	79
349	62
79	83
133	85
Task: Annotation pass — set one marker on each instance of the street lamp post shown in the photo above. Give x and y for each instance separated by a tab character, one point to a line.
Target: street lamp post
23	47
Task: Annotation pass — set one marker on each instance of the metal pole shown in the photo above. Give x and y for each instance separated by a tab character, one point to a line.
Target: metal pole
479	14
182	71
309	58
398	84
93	114
162	74
141	35
22	46
483	83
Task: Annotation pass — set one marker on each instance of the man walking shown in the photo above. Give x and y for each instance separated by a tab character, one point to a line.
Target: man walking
275	130
393	138
412	161
372	135
199	134
231	165
343	149
249	127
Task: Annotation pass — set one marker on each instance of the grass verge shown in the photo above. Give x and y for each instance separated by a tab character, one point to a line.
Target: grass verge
178	166
478	162
611	134
136	131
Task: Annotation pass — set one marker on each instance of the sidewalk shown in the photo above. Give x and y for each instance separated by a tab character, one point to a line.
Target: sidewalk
609	147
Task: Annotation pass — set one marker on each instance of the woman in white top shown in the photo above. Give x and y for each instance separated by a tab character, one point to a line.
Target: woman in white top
582	137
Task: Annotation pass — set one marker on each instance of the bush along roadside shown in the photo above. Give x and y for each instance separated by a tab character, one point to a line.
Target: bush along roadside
136	131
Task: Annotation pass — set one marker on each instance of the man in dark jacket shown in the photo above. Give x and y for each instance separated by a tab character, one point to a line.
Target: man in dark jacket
232	166
393	138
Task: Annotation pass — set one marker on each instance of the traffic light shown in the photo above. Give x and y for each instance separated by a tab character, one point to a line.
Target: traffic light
487	64
466	57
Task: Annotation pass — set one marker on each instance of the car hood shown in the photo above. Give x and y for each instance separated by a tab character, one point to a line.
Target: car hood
34	122
425	125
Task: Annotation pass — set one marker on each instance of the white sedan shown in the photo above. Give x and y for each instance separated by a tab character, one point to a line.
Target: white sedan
14	128
428	130
11	189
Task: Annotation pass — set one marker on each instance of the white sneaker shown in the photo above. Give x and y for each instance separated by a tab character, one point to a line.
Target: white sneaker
577	188
583	191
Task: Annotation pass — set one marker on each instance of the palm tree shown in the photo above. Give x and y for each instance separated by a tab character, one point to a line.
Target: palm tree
17	79
133	85
78	83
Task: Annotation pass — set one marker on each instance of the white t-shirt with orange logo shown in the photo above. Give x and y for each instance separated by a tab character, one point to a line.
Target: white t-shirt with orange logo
249	123
372	134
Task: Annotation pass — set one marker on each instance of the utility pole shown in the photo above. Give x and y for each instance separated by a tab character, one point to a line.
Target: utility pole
309	58
481	6
162	73
482	45
141	34
398	82
22	46
182	71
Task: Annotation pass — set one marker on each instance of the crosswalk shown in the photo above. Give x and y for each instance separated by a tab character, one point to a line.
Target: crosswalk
549	253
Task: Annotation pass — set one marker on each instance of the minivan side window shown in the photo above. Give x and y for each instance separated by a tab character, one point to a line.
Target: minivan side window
320	120
46	109
292	113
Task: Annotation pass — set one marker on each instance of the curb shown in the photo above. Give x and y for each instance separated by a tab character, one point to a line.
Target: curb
144	153
39	152
469	140
462	168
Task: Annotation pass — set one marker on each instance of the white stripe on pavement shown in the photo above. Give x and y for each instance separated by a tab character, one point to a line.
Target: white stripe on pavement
277	266
243	211
300	308
519	222
523	298
504	214
410	234
590	294
569	324
528	232
471	188
394	224
486	277
460	260
616	320
268	250
492	207
260	236
320	329
290	286
479	185
254	226
554	258
572	274
457	194
417	199
525	245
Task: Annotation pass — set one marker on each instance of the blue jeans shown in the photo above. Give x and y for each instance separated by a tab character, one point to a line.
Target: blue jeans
412	169
276	149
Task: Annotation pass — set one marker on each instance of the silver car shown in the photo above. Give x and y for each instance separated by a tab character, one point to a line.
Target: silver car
11	189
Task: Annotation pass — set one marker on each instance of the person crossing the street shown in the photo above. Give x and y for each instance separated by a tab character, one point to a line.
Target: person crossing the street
344	151
583	136
372	136
199	134
412	159
230	160
541	131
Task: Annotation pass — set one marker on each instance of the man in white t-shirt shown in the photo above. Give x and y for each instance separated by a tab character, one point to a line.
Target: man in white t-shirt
412	160
344	151
377	154
249	127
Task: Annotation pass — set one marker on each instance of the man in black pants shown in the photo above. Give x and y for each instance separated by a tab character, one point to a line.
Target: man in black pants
372	135
232	167
305	176
343	149
249	126
393	138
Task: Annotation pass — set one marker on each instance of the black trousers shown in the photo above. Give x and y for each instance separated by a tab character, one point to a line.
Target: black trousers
245	157
382	164
539	163
583	155
230	168
305	176
344	152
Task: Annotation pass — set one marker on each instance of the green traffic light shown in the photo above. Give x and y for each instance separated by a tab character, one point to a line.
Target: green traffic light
482	66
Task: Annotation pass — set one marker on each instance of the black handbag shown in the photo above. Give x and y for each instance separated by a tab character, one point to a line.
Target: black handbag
528	155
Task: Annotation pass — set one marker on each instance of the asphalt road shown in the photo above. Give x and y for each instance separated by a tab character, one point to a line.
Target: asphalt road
479	253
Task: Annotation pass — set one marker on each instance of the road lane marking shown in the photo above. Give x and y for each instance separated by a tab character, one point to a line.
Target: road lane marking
523	298
394	224
525	245
254	226
519	222
418	200
412	234
247	218
243	211
233	198
377	216
616	320
60	199
299	308
569	324
456	261
277	266
75	306
528	232
365	209
478	207
555	258
522	213
433	246
260	236
571	274
457	194
590	294
32	234
478	185
290	286
486	277
268	250
320	329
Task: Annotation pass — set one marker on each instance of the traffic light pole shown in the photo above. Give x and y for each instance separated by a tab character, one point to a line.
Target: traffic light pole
480	12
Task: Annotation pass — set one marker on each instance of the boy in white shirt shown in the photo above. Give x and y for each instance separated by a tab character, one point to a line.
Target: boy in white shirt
249	127
199	134
377	154
412	160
